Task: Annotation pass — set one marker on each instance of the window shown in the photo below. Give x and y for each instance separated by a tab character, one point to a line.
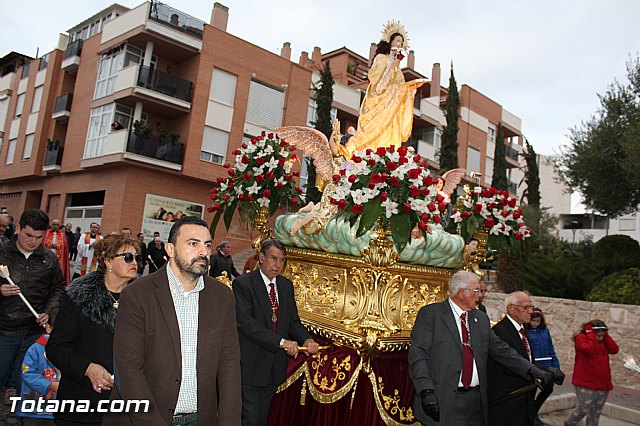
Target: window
28	147
304	173
223	87
99	124
473	160
124	116
265	106
135	55
37	99
107	74
214	145
44	61
11	150
25	70
491	133
488	170
19	104
4	111
312	113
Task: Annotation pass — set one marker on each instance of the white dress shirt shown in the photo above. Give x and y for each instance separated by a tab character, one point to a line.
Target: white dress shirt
457	311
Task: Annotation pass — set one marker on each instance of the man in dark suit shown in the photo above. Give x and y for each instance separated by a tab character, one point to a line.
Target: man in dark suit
176	340
518	411
267	318
451	343
221	261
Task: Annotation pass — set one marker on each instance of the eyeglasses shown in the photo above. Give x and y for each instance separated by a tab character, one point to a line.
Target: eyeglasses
525	307
475	290
129	257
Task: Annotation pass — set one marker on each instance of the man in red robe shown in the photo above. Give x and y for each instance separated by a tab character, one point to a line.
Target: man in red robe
56	240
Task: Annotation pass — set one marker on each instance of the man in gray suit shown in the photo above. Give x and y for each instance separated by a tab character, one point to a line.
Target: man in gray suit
451	342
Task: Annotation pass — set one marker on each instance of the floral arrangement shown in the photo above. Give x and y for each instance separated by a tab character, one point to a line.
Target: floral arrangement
393	185
261	178
493	209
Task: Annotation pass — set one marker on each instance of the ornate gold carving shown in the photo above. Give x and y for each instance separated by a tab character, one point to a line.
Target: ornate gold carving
260	225
328	384
381	252
224	279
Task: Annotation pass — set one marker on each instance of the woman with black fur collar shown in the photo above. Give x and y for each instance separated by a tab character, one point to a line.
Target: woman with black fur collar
81	345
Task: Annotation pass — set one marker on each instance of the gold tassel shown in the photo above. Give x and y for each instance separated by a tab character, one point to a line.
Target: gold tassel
355	386
303	392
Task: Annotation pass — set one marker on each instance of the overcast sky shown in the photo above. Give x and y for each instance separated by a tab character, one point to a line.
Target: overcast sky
544	61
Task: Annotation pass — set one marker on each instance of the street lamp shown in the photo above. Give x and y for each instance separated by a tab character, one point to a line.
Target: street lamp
574	225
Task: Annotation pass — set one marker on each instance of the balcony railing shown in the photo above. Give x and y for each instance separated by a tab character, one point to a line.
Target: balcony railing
158	147
53	159
164	83
176	19
73	49
63	103
511	153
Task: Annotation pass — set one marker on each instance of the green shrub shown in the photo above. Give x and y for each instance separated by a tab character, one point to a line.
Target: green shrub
615	253
619	287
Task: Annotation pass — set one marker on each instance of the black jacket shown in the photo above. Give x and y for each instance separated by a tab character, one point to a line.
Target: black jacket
219	263
82	334
41	282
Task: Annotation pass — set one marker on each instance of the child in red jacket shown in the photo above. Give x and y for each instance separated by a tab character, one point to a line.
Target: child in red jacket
592	373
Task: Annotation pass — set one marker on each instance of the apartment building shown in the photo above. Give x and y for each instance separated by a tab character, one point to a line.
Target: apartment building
135	111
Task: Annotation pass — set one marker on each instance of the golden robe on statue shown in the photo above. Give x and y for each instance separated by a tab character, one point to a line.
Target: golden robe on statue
386	115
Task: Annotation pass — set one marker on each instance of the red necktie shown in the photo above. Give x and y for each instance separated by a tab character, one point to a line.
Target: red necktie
274	306
526	342
467	353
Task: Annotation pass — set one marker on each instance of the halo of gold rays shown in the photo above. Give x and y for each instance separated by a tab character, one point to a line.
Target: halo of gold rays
394	26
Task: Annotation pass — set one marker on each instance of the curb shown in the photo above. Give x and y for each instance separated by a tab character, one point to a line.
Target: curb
567	401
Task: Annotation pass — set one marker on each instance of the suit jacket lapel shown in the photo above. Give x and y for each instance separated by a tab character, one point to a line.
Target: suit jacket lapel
474	328
447	317
516	338
168	309
283	307
262	296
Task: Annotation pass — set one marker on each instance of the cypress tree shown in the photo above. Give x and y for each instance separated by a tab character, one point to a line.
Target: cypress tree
499	180
449	147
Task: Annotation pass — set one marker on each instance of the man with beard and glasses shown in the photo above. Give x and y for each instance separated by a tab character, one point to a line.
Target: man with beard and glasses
176	340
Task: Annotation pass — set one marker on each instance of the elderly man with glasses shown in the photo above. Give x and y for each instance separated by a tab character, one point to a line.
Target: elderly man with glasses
519	410
451	343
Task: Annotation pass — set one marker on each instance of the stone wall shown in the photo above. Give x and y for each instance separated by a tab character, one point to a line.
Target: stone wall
564	317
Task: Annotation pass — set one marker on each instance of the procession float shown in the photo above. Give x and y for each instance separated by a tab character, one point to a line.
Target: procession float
370	254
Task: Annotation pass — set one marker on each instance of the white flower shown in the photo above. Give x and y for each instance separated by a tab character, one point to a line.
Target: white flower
241	167
253	189
271	164
284	152
359	197
264	202
268	150
391	208
257	171
287	166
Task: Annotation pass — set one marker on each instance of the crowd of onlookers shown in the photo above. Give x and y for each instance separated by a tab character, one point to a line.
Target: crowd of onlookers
88	355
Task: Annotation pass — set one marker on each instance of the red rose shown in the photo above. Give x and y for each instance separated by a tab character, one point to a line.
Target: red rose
425	192
391	149
279	184
383	197
352	179
414	191
226	197
245	159
505	194
454	211
343	172
519	236
263	134
247	176
270	136
504	214
288	177
242	197
231	172
422	225
254	140
391	166
427	180
478	207
292	148
521	224
342	204
403	160
220	180
259	178
417	158
294	200
269	175
375	178
226	165
266	193
384	177
216	207
356	159
407	208
371	185
425	217
381	151
486	193
442	206
493	191
394	181
236	152
512	202
402	150
336	178
244	146
369	151
233	179
503	201
281	161
371	162
517	215
298	190
431	207
489	222
437	219
214	197
231	185
439	198
260	161
249	197
296	174
414	173
283	143
357	209
210	209
493	205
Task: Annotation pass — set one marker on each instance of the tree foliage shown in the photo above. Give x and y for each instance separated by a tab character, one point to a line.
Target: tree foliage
449	146
531	176
620	287
324	99
602	159
499	180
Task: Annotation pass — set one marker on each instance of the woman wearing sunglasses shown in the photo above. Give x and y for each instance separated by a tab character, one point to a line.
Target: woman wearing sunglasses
81	344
